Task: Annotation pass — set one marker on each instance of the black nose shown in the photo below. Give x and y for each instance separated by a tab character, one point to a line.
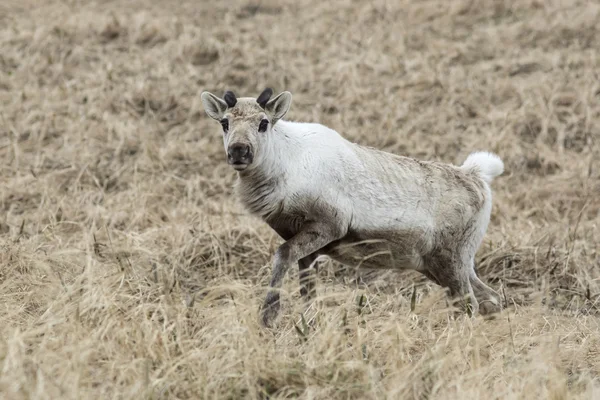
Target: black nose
239	153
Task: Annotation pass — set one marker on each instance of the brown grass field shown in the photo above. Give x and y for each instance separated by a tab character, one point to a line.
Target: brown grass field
128	270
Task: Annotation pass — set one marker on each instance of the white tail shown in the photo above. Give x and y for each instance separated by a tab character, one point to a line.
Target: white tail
488	165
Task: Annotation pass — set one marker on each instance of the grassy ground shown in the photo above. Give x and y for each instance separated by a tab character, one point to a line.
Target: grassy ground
128	269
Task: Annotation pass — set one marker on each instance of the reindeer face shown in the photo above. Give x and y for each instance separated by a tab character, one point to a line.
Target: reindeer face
246	123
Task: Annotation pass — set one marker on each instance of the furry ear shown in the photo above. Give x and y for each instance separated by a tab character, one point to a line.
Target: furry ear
279	106
214	106
264	97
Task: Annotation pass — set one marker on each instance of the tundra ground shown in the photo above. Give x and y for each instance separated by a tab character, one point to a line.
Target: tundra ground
129	270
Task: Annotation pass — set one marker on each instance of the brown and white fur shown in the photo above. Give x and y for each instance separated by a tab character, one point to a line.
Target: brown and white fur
360	206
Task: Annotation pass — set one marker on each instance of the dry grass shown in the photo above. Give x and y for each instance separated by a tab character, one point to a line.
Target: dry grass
128	270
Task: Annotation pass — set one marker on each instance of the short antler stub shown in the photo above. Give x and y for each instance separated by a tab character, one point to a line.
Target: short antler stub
230	99
264	97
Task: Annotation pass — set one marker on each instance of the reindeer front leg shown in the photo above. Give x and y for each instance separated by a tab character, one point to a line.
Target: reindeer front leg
311	238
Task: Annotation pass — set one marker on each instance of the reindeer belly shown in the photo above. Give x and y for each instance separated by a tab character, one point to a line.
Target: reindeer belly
378	250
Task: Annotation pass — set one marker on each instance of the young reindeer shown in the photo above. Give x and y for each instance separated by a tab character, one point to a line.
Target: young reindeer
360	206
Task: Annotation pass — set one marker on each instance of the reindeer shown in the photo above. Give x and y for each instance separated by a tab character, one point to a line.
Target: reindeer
360	206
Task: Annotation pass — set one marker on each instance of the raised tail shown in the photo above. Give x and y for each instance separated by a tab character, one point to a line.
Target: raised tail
487	165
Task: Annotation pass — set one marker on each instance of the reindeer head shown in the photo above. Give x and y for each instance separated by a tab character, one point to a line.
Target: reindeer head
247	123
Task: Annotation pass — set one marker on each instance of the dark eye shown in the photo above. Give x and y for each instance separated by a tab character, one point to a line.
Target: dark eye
263	125
225	125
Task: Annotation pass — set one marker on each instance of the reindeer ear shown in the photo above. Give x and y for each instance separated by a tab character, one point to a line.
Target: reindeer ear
279	106
214	106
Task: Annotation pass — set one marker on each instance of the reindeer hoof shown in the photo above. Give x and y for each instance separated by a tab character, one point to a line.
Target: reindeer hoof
268	315
270	310
489	307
